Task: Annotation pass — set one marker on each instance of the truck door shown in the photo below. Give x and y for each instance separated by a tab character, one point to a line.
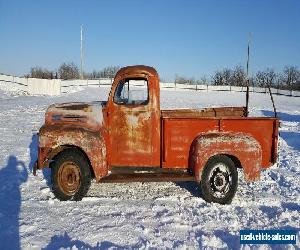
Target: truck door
132	121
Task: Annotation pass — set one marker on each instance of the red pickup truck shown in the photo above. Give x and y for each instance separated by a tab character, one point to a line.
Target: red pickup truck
129	138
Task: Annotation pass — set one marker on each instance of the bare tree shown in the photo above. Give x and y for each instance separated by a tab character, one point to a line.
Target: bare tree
271	77
260	79
227	76
222	77
38	72
290	77
238	77
217	78
184	80
94	74
68	71
108	72
266	78
297	85
203	80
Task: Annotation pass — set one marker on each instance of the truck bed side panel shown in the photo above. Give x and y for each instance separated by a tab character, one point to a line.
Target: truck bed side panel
262	129
178	135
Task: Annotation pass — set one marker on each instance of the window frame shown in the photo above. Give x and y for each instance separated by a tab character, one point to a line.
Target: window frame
127	80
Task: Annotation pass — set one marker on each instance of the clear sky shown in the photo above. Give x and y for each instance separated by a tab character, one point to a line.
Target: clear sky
188	37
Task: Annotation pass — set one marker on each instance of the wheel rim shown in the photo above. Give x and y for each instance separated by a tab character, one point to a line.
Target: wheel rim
220	180
69	178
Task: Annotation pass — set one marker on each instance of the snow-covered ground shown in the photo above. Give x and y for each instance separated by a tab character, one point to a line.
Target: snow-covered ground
140	215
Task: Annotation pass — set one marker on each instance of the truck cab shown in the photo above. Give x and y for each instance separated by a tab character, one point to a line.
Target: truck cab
133	118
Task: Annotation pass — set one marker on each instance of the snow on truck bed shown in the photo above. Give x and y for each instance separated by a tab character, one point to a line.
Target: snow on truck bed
140	215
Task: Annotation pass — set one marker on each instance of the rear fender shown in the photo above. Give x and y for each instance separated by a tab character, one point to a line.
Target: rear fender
242	146
55	139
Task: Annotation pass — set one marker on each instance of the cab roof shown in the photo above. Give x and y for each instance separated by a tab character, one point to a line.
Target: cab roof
138	69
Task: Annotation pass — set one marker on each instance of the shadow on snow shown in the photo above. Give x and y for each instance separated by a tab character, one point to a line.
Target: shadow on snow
282	116
11	178
33	147
291	138
64	241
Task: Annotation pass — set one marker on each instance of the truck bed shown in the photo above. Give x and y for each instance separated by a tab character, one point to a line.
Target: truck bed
181	127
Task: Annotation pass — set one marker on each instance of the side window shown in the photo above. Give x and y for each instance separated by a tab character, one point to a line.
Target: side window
132	92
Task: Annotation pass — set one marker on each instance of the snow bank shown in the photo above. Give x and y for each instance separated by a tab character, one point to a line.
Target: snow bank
140	215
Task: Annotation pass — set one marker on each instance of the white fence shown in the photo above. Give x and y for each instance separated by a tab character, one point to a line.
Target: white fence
34	86
67	84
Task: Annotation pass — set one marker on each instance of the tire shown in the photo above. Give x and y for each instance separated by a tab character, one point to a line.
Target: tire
70	175
219	180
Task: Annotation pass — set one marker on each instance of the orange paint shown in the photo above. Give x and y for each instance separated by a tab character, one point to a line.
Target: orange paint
122	133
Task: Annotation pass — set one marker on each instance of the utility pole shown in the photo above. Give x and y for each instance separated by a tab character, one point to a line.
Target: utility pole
247	74
81	55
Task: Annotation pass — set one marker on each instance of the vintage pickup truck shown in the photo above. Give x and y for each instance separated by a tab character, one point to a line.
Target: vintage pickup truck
129	138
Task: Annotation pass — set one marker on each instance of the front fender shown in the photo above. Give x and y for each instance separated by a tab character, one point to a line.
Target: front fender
242	146
53	139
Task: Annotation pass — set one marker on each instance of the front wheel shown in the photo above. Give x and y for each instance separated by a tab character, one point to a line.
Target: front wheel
71	175
219	180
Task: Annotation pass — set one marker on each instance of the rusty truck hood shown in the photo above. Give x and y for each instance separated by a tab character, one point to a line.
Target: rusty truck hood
77	113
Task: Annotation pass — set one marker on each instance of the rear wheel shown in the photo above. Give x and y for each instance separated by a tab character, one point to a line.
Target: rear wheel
71	175
219	180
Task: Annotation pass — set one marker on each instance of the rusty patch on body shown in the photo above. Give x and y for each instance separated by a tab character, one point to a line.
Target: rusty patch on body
224	112
86	114
74	125
73	106
242	146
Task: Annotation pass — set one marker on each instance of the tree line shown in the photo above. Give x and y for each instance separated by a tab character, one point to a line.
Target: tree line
288	78
67	71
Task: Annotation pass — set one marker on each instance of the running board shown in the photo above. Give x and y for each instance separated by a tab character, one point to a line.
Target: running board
147	177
